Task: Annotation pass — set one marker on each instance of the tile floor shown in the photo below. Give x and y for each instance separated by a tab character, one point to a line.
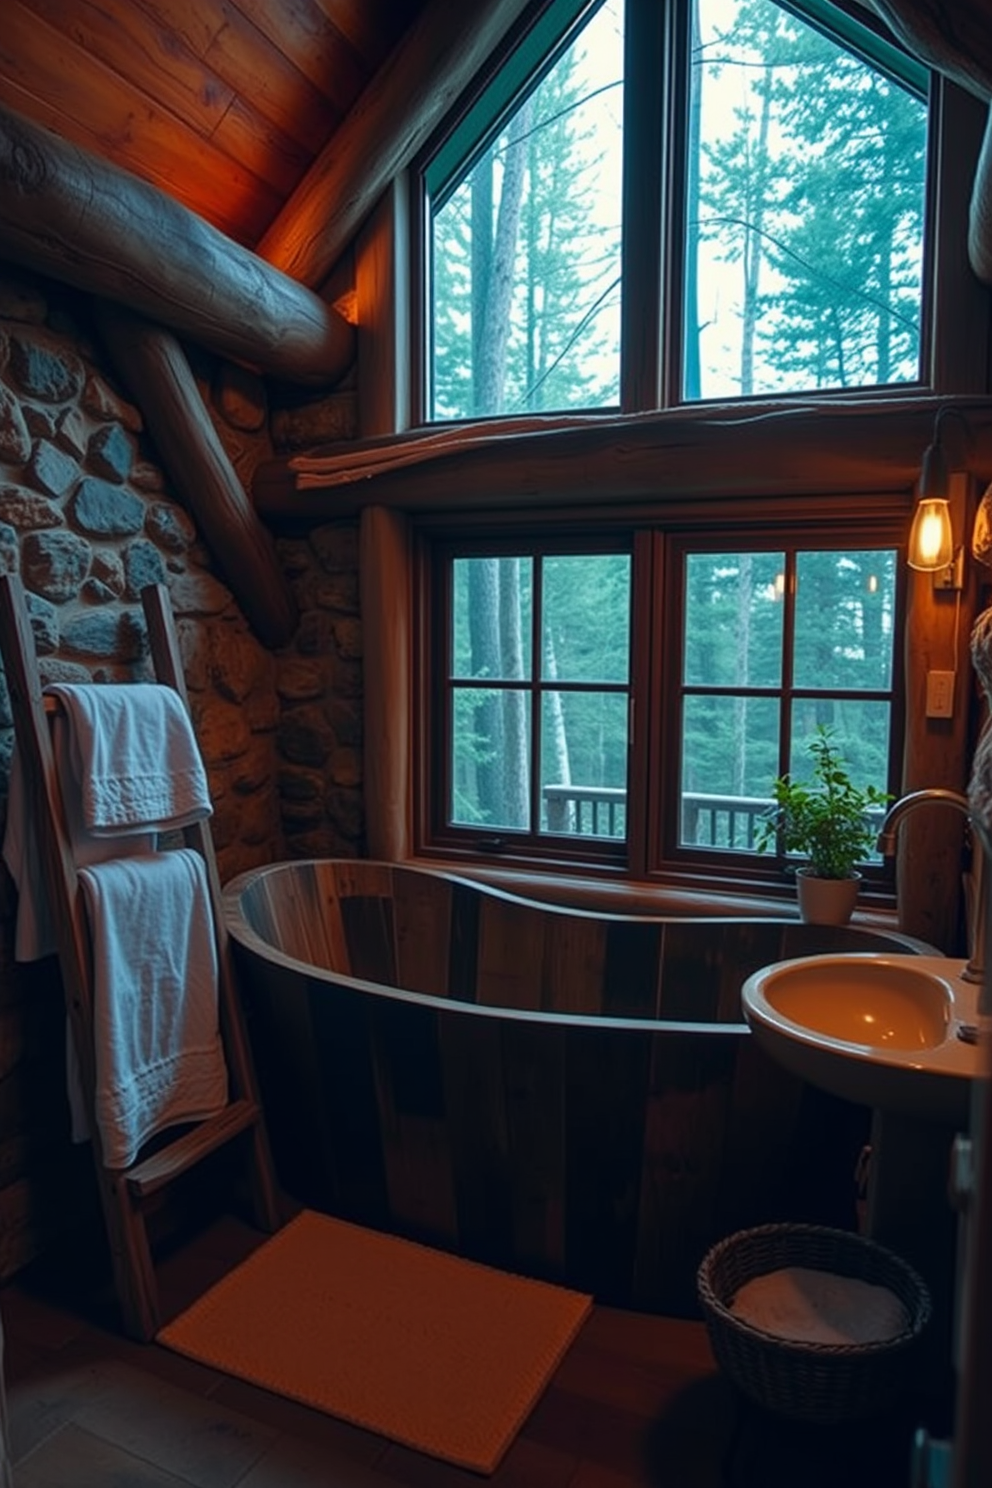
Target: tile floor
636	1403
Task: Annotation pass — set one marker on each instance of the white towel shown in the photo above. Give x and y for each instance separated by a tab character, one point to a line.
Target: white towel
159	1058
134	754
141	725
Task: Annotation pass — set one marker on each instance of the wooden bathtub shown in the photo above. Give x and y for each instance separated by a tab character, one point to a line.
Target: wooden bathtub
570	1095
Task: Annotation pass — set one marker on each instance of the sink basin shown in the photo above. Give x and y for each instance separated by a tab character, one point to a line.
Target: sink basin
877	1029
872	1004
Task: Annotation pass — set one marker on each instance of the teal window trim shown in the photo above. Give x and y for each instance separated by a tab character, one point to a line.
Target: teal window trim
553	30
537	52
864	42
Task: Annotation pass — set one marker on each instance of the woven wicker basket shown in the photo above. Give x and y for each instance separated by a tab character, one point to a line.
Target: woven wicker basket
809	1381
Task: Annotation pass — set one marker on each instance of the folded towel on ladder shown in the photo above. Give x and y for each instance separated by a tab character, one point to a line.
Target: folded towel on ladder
105	730
129	767
134	754
159	1058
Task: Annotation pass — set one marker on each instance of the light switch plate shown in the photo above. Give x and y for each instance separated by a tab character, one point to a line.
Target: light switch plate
940	694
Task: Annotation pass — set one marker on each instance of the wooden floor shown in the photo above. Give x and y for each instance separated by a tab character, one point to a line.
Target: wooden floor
636	1403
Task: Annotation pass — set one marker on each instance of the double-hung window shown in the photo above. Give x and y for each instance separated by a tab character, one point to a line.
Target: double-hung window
530	728
625	700
776	641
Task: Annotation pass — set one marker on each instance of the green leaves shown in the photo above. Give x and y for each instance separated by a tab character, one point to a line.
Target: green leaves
826	819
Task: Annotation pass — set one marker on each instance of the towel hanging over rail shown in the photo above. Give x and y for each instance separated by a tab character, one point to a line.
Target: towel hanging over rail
130	768
48	796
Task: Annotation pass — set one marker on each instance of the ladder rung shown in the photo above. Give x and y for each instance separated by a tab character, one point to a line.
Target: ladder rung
146	1177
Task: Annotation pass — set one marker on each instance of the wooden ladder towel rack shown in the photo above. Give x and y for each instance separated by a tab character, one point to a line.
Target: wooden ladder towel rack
124	1192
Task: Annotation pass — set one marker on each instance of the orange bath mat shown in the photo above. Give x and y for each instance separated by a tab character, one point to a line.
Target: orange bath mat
441	1354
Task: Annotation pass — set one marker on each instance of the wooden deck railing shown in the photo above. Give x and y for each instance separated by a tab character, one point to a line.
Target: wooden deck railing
586	810
708	819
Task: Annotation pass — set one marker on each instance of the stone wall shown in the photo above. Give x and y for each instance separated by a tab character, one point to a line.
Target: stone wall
87	518
319	681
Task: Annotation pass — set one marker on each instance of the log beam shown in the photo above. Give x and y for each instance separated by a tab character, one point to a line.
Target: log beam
153	367
86	222
407	98
689	455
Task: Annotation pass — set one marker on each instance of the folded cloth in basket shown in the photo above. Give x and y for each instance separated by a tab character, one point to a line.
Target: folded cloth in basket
159	1058
133	752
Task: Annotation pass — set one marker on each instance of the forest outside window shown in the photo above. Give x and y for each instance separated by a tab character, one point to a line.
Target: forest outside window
778	642
572	723
535	709
790	176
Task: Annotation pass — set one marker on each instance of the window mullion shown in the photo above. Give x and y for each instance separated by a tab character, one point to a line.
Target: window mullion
645	26
675	66
788	661
536	691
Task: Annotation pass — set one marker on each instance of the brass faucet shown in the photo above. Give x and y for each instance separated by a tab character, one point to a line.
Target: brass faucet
981	851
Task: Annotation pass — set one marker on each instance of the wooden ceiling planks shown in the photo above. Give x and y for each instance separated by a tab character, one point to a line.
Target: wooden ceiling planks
313	44
365	25
222	103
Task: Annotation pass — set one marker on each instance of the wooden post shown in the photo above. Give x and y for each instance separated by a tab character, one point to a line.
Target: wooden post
153	366
407	98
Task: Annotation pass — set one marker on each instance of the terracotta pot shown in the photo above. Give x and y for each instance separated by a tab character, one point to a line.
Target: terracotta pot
826	901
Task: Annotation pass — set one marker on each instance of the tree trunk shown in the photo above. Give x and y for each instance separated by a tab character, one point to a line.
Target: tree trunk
516	755
483	620
496	296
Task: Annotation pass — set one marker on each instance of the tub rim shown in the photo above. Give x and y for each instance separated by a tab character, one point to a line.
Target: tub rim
238	929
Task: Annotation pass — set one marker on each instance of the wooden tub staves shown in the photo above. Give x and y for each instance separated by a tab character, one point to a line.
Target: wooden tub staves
569	1095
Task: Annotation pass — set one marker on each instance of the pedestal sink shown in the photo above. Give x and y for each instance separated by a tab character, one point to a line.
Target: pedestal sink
884	1031
890	1032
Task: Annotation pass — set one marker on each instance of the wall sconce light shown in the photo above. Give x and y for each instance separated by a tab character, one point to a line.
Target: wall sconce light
931	537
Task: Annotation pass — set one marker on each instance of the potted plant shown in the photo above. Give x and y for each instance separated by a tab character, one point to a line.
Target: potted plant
828	820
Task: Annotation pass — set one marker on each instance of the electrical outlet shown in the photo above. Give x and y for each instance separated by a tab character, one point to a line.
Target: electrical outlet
940	694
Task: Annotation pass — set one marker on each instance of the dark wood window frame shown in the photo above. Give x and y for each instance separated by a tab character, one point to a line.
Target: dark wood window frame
657	539
696	867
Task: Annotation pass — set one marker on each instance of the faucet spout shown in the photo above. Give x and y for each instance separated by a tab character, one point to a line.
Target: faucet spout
975	891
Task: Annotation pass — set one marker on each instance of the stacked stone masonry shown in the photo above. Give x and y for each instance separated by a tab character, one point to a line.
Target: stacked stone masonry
87	519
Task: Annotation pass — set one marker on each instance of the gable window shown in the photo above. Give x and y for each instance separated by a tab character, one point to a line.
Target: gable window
654	204
627	699
806	188
525	234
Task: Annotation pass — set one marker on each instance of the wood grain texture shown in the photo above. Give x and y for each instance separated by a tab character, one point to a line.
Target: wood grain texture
68	213
290	118
123	1191
222	103
382	289
936	753
49	78
678	459
573	1136
153	367
950	35
409	95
